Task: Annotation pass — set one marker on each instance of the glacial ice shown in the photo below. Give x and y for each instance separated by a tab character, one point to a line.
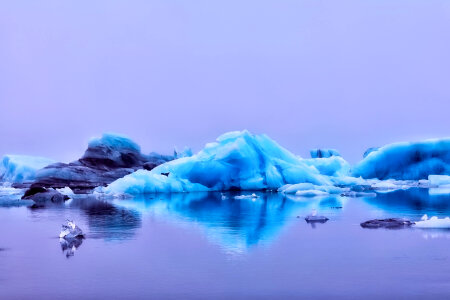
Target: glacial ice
311	190
323	153
21	168
439	180
238	160
433	222
331	166
406	161
106	159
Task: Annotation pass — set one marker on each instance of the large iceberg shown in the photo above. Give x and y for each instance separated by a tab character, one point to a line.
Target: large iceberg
106	159
406	161
238	160
330	166
21	168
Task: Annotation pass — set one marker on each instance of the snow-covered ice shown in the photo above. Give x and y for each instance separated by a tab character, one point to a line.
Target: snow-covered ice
433	222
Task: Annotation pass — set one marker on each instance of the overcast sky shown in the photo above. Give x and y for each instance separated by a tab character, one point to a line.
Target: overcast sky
341	74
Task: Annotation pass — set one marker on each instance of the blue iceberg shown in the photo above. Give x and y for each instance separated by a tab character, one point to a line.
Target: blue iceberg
21	168
330	166
406	161
238	160
323	153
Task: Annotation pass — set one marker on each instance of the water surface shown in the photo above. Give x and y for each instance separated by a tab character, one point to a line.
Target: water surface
206	245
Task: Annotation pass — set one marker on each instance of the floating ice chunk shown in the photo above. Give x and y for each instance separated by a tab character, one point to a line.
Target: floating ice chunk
66	191
70	231
433	222
387	186
21	168
311	193
241	197
439	180
407	161
310	190
147	182
238	160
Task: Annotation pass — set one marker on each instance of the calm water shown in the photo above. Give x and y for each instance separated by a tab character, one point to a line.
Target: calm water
201	246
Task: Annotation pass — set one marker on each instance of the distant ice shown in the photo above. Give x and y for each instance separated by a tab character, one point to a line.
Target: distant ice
21	168
406	161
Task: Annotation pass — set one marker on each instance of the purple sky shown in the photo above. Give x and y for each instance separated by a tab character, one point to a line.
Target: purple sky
341	74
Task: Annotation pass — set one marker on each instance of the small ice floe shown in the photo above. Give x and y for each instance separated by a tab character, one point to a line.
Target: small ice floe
314	218
70	231
433	222
252	196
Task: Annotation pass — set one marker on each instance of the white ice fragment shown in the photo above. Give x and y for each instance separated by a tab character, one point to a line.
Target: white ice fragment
433	222
70	231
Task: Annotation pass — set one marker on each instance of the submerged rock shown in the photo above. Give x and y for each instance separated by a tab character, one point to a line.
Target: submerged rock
105	160
391	223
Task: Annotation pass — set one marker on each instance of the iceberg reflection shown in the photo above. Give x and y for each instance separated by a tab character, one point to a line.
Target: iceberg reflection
106	220
235	224
412	200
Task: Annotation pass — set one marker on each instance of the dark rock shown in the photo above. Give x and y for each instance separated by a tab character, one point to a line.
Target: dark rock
43	197
391	223
316	219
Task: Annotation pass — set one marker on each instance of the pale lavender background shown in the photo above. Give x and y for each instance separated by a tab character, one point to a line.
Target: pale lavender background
343	74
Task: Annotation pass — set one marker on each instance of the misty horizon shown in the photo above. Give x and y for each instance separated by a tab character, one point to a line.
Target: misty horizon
348	75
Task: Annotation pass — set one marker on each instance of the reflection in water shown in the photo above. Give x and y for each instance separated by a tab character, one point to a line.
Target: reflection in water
106	220
412	200
69	246
436	234
236	224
